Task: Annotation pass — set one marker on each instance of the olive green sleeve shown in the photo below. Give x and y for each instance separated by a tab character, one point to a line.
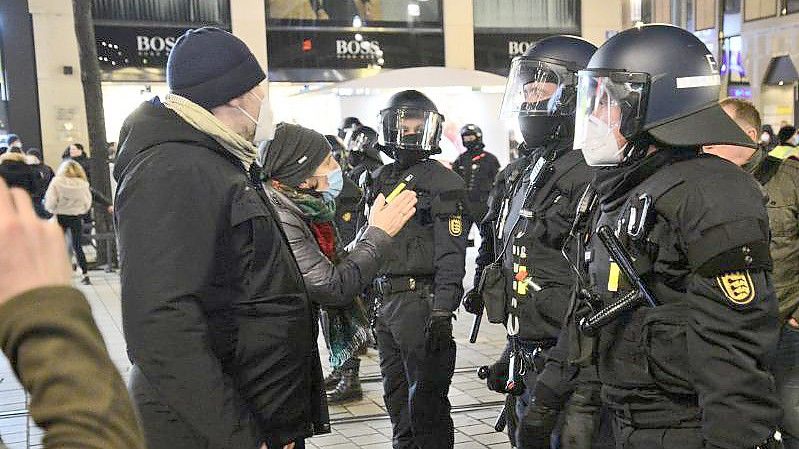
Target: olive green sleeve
77	394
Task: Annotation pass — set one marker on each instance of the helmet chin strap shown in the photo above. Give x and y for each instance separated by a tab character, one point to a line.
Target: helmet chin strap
637	148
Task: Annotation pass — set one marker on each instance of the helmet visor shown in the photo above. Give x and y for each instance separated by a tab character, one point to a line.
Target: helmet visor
410	128
537	88
611	101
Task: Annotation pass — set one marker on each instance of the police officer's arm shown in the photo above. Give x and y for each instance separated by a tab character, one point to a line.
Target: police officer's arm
168	260
491	165
458	163
449	259
732	323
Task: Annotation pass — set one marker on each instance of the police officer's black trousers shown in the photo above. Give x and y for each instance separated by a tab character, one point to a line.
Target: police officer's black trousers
415	382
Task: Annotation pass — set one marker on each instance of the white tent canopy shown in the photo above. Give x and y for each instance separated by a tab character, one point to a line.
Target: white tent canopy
422	77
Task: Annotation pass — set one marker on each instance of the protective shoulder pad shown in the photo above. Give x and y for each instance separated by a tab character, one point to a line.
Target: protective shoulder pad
719	211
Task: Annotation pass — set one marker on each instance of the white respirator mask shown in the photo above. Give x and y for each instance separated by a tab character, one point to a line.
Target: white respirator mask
599	145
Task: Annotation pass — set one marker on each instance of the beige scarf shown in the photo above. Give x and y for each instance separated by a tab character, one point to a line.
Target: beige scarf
205	122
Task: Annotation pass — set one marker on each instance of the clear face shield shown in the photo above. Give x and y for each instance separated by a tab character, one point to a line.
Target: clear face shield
537	88
610	111
411	129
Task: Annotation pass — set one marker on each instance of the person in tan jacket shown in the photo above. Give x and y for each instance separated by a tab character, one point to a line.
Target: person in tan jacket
69	198
780	180
49	336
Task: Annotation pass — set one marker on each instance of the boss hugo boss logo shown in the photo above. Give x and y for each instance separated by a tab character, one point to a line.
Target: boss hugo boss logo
155	43
516	48
354	49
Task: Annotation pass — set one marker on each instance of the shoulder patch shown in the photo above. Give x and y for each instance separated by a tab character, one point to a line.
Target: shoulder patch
737	287
455	225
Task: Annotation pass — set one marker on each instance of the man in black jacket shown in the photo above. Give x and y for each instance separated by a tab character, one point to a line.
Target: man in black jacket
215	312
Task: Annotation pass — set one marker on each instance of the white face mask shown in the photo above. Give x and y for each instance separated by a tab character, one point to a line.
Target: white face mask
765	138
264	126
600	148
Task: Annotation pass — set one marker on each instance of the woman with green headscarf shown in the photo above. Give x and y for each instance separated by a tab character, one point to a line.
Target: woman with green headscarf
303	179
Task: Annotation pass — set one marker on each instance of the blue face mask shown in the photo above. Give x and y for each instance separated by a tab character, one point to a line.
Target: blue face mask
335	182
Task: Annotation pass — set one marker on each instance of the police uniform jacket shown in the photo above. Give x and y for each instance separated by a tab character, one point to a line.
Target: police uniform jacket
432	245
533	247
478	168
697	230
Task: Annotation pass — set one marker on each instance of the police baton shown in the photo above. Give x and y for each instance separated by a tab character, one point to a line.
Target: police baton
639	296
478	318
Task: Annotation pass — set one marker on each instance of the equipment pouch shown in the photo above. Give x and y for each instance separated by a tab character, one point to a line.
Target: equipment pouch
493	289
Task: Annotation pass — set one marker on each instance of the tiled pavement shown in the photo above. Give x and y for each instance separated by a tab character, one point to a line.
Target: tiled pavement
357	425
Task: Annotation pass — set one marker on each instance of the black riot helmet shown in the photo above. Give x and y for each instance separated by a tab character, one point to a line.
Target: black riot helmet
542	88
472	137
652	84
409	128
362	145
347	125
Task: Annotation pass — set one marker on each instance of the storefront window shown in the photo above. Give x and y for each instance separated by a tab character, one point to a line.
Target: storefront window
732	17
354	13
759	9
732	61
705	14
209	12
527	15
792	6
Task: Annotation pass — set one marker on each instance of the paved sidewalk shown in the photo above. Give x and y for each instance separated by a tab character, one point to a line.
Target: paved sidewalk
474	404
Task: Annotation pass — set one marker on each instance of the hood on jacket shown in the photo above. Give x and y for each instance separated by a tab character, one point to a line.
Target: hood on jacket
153	124
66	184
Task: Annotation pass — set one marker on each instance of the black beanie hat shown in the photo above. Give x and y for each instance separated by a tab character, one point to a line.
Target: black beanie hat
785	133
294	154
210	67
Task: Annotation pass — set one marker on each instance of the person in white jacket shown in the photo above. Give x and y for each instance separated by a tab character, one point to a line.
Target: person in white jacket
69	198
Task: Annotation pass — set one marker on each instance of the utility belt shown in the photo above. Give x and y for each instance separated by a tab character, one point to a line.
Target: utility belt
387	284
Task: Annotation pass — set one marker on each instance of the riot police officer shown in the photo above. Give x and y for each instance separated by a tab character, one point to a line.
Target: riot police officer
534	220
478	168
364	156
689	368
364	153
421	282
348	125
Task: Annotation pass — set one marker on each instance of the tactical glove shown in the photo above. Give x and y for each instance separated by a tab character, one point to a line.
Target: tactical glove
439	330
473	302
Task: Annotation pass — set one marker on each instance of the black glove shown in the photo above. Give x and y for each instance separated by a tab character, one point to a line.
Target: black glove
473	302
536	426
439	330
498	376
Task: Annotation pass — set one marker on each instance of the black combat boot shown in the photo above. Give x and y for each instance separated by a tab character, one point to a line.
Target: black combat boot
349	388
332	379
